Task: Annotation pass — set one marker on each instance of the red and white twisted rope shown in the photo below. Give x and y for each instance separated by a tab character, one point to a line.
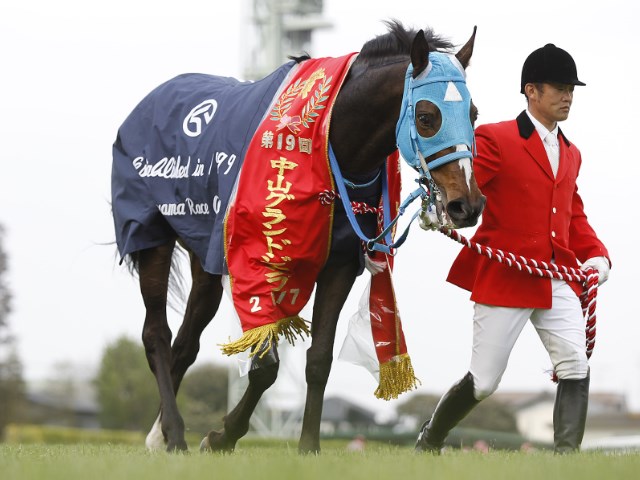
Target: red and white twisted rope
588	278
328	196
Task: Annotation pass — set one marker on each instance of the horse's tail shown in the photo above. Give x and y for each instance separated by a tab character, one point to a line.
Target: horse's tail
176	290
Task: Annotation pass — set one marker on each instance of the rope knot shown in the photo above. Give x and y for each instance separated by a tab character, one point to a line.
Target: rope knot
326	197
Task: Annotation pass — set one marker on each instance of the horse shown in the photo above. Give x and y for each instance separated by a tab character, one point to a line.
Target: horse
365	129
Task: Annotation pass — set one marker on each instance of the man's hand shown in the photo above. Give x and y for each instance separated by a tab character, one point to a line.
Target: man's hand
601	264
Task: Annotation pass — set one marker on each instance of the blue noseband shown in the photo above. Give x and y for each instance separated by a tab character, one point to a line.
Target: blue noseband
443	84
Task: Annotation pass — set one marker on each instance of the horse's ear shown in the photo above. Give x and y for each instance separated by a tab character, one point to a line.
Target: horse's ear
419	53
464	55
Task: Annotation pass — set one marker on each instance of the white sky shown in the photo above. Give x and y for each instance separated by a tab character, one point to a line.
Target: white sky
72	71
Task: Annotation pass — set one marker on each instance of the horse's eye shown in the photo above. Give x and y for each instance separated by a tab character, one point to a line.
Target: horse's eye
473	114
428	118
425	120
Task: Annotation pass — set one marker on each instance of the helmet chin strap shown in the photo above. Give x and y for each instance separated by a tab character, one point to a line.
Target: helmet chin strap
433	215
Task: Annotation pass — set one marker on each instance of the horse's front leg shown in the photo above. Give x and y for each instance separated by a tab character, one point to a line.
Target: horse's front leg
333	287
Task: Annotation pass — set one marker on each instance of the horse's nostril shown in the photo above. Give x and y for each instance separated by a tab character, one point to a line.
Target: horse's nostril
483	202
461	210
458	209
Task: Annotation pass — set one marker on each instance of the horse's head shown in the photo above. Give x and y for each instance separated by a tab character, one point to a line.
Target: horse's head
435	133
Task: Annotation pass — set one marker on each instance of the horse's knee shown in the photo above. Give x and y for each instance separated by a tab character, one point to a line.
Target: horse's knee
156	332
154	335
318	368
264	376
157	346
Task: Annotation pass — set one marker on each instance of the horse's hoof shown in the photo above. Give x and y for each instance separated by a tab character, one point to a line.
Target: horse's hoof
216	442
204	444
180	447
308	451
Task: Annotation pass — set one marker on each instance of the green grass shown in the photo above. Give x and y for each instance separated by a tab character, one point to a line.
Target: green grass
280	460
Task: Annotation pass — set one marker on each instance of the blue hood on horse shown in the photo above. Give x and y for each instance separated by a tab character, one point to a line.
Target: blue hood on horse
443	84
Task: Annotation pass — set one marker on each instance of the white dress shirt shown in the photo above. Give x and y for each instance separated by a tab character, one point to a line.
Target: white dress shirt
550	142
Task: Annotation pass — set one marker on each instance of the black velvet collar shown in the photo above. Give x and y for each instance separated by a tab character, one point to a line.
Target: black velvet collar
526	127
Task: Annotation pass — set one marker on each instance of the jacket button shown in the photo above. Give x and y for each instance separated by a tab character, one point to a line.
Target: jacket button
553	234
553	209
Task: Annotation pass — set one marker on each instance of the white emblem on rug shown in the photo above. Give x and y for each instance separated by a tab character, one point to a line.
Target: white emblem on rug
192	124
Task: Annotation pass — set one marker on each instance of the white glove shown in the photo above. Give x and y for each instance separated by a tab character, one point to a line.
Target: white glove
601	264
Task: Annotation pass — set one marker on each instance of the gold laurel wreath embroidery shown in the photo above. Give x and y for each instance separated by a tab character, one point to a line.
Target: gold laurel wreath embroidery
318	74
284	102
302	88
309	111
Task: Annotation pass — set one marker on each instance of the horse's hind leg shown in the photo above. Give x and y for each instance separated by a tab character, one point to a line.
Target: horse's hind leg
203	303
333	286
154	265
236	423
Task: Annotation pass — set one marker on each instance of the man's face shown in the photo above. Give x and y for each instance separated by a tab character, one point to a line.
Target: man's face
551	102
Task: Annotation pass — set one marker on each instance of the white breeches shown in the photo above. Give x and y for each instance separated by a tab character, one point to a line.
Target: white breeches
496	329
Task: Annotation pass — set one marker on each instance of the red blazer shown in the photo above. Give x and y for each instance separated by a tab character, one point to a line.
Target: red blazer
528	213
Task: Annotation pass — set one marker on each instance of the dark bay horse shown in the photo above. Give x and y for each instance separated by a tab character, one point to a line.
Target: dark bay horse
363	134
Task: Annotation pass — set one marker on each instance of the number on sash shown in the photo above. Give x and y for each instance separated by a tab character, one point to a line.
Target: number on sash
255	301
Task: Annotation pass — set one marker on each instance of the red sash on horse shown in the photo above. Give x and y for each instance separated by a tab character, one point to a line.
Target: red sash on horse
392	364
278	232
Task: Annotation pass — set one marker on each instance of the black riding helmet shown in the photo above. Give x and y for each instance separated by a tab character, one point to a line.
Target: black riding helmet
549	64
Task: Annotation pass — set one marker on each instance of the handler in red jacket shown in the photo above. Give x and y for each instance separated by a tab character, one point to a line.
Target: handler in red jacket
527	169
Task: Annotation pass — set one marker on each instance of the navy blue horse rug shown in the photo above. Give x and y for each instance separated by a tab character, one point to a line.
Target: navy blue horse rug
176	159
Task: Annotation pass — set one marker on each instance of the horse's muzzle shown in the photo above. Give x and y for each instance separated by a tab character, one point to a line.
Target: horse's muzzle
464	213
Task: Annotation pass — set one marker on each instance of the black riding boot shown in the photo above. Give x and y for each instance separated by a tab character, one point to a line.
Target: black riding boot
570	414
453	407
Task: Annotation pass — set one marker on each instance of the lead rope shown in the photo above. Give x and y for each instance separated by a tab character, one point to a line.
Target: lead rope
588	278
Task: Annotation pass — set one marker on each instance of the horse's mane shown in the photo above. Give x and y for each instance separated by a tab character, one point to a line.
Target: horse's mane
397	42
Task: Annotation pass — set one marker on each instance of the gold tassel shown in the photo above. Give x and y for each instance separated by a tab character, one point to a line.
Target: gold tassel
396	377
291	328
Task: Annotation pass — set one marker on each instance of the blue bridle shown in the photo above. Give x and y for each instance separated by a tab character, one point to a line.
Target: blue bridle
443	84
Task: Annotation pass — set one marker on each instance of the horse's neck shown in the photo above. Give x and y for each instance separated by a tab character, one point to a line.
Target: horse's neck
363	123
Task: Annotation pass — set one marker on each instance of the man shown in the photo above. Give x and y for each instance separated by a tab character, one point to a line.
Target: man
527	169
